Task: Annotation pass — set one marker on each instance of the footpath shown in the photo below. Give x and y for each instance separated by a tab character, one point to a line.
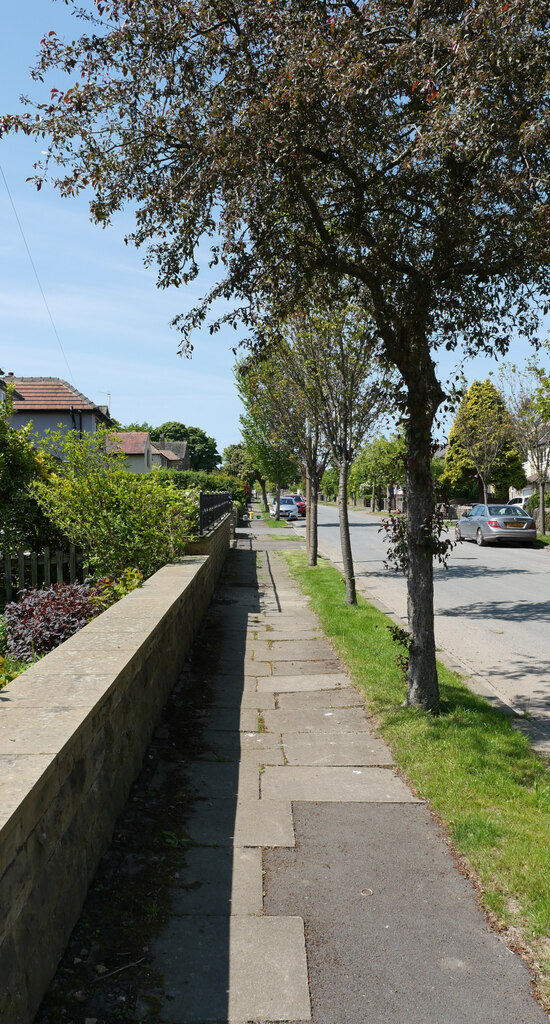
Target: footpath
316	886
271	864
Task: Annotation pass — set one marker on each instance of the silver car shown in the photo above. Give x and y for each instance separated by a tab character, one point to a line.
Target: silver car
490	524
287	508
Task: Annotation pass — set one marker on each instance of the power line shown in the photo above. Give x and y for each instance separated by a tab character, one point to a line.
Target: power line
36	275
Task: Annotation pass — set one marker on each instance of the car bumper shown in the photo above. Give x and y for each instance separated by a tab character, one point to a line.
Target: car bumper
501	536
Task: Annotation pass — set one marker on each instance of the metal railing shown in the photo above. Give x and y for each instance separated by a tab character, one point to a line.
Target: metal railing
212	507
36	569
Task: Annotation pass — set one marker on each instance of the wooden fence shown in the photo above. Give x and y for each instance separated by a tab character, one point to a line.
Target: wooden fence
38	568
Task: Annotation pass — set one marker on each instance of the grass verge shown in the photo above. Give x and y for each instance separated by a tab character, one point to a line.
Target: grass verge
481	777
277	523
277	536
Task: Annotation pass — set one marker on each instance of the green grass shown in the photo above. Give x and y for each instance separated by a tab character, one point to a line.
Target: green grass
276	536
278	523
482	779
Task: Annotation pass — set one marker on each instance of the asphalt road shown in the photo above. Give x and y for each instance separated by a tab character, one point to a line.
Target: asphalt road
492	606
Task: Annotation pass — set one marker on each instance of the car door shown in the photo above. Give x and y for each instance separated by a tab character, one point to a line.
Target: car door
473	522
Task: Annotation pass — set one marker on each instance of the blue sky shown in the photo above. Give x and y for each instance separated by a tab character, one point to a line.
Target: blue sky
112	320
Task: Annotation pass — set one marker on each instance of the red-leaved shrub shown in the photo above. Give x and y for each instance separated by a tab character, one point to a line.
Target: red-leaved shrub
42	619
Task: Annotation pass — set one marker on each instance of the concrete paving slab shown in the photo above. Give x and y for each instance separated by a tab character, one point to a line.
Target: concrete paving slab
308	633
249	698
222	780
231	719
292	650
264	701
233	969
220	881
338	749
253	669
287	621
232	746
303	683
268	978
316	720
361	785
264	823
250	823
344	697
297	668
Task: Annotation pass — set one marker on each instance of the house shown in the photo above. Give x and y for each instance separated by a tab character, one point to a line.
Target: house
51	403
162	458
175	454
136	445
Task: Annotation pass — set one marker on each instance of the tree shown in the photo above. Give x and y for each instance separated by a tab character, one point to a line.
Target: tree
329	482
298	422
528	402
482	442
402	148
238	460
345	390
382	463
141	428
269	423
203	453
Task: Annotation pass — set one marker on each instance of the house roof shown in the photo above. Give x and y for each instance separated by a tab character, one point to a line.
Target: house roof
171	456
179	448
38	394
131	442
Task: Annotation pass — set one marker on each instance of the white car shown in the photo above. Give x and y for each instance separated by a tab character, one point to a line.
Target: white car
288	508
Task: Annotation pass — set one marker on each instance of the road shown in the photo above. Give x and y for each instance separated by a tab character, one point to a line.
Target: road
492	606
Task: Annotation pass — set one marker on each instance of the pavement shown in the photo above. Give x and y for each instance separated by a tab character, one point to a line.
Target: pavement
316	886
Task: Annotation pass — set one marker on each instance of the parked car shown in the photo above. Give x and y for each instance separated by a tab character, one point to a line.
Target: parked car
287	508
490	524
300	503
521	501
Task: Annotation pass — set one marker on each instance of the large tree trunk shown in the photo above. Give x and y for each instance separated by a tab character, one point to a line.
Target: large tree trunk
541	506
345	540
424	398
278	500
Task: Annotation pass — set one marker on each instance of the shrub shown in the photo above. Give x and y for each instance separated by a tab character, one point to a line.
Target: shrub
9	670
117	518
42	619
108	590
202	481
3	636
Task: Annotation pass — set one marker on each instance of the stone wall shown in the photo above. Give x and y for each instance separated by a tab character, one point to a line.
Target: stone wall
73	732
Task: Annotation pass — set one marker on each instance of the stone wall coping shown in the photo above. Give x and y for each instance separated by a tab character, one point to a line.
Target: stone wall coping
44	709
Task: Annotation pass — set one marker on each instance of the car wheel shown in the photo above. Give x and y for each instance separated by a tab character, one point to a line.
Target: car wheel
480	539
458	535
